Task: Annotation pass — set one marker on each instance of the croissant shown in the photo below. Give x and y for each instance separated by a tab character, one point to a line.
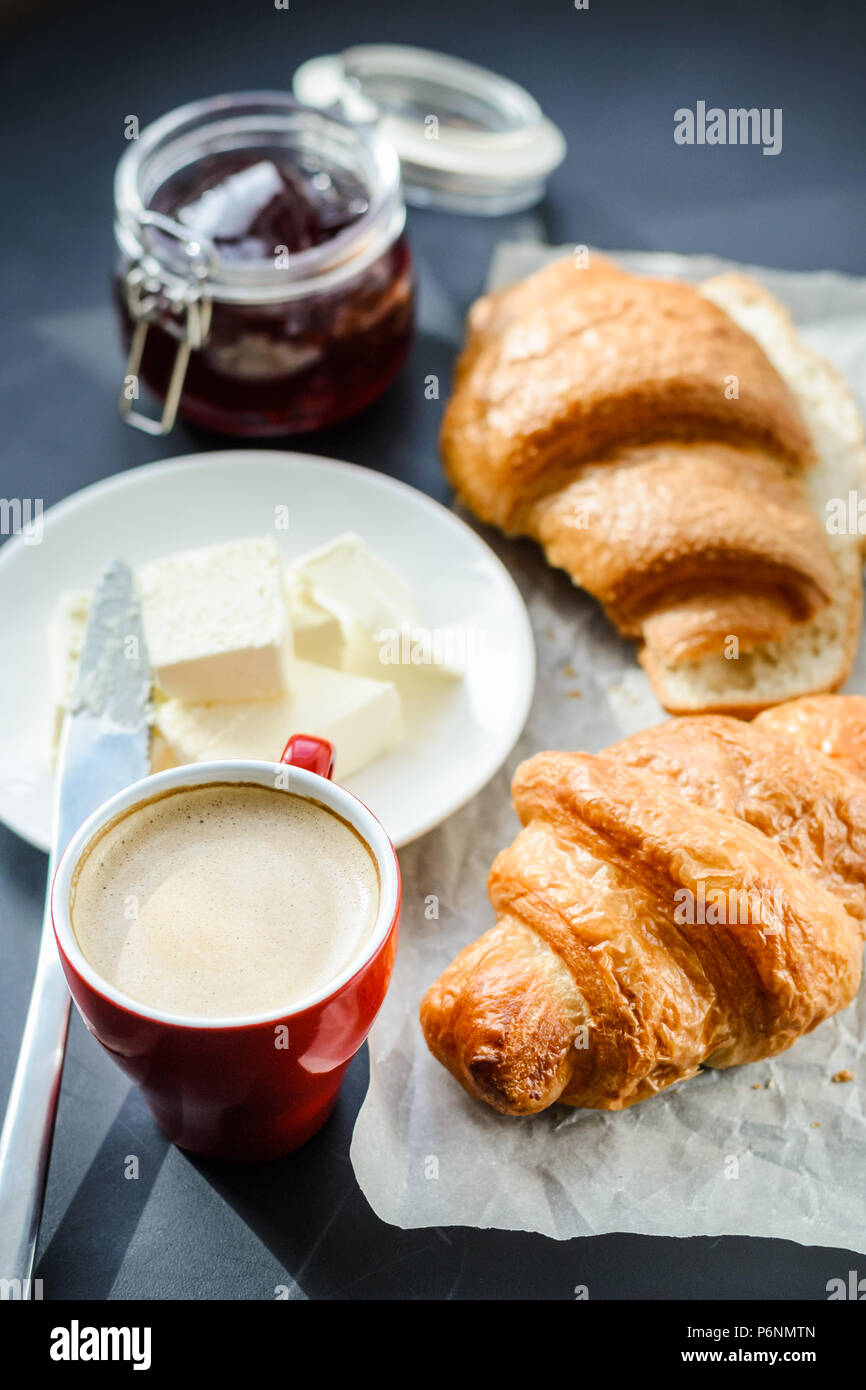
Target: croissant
694	896
645	439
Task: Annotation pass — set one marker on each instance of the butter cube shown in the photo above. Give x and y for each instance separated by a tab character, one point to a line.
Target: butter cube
215	622
65	640
362	718
383	633
348	580
317	634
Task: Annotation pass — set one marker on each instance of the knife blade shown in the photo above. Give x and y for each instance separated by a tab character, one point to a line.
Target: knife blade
105	745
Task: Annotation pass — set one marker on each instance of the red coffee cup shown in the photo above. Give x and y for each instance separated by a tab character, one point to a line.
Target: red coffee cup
251	1088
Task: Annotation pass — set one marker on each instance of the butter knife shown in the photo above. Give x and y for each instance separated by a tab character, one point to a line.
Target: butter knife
104	746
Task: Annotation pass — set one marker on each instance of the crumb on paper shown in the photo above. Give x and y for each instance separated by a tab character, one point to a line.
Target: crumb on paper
569	671
816	1124
574	694
757	1086
843	1075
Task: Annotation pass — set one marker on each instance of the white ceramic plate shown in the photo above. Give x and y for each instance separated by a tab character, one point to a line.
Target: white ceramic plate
456	738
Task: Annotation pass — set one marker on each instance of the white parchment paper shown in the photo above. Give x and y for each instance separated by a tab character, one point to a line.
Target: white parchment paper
772	1149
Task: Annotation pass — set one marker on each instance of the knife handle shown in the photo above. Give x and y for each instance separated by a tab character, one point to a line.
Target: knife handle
25	1141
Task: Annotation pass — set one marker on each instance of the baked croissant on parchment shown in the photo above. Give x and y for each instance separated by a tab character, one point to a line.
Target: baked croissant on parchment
693	896
643	435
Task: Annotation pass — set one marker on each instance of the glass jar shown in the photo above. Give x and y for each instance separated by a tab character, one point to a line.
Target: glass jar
264	281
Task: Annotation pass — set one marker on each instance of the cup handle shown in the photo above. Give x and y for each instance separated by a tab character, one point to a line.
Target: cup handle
311	753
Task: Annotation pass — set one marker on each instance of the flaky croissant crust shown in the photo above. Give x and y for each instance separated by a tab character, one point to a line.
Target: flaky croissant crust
590	411
693	896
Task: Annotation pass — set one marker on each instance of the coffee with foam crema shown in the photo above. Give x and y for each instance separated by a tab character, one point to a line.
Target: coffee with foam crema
225	900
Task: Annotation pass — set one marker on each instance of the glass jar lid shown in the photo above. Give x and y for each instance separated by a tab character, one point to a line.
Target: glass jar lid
468	139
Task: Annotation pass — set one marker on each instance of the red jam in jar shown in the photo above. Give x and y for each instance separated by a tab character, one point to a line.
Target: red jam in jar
265	281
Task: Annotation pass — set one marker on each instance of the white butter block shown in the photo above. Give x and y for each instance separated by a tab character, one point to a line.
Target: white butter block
349	581
161	755
405	652
317	634
215	622
382	629
362	718
65	640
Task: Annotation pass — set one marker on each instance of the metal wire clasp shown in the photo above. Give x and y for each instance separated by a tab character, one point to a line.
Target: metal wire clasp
179	301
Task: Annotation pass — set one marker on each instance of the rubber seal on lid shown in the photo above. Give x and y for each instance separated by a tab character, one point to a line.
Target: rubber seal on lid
468	139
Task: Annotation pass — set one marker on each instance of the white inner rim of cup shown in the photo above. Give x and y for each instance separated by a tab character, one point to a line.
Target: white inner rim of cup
306	784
